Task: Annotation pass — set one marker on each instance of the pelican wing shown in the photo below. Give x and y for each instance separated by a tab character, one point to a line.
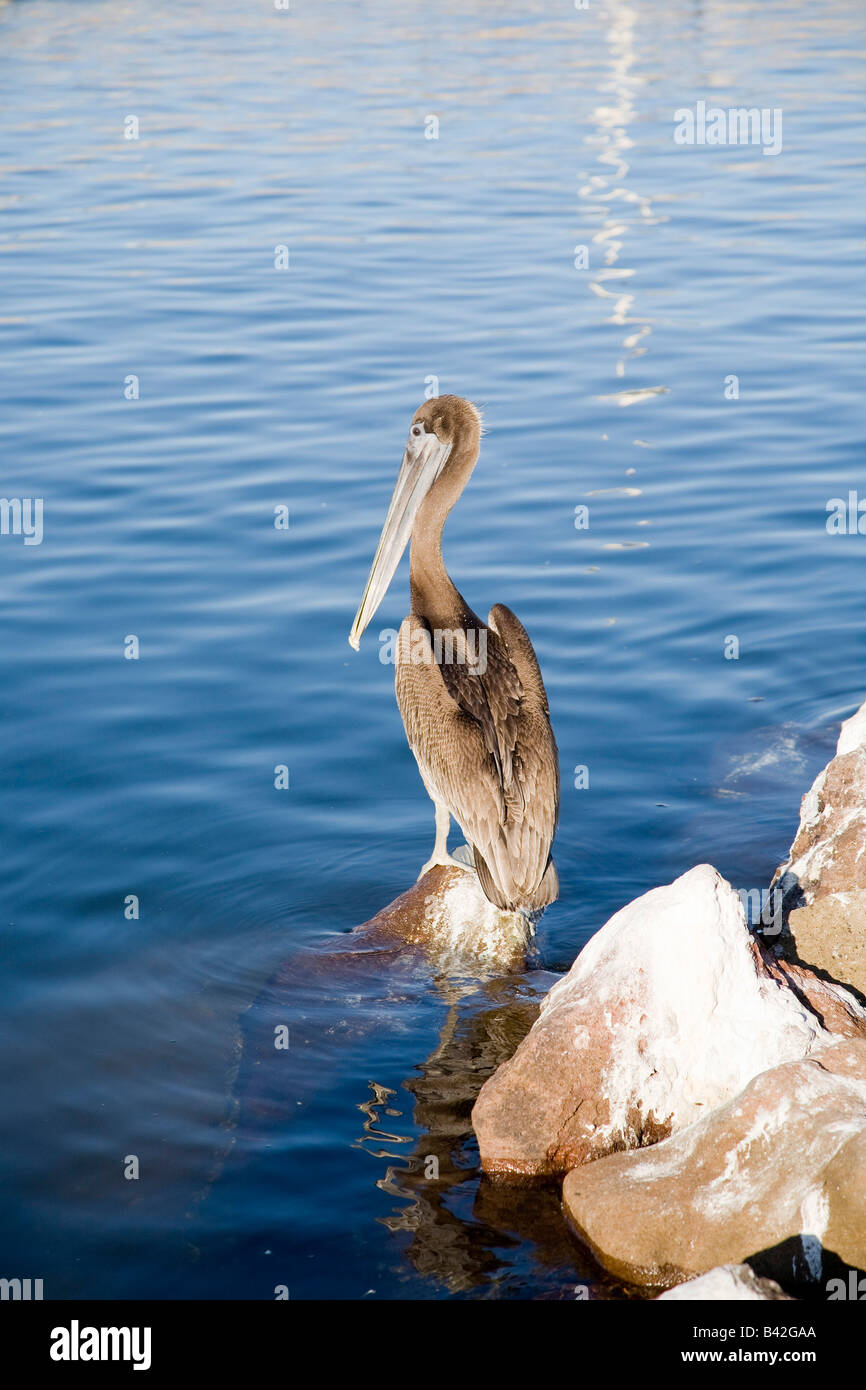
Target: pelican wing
485	749
536	759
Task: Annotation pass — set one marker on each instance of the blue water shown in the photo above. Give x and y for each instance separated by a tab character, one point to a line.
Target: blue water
262	388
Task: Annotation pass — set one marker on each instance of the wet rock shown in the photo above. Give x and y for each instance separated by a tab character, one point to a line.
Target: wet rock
447	914
667	1013
780	1168
727	1283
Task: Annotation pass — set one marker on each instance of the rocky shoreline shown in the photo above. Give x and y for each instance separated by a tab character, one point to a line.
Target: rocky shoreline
701	1092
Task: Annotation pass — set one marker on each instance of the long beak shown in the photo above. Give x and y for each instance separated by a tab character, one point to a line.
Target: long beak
416	477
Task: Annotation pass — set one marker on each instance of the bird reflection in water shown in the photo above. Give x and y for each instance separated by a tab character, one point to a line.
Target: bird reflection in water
373	993
458	1225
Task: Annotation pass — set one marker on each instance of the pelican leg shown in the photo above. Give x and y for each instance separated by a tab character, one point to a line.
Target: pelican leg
440	853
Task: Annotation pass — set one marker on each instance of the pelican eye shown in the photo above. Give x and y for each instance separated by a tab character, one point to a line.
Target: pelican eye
417	430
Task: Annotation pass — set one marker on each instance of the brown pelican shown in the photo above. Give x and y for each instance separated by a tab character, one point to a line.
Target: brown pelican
470	694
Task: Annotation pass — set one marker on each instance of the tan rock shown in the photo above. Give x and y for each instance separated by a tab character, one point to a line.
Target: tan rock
669	1010
783	1161
829	850
823	880
845	1187
831	935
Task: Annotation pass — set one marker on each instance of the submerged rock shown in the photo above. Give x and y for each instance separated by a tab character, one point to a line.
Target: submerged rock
667	1013
780	1168
447	914
728	1284
823	880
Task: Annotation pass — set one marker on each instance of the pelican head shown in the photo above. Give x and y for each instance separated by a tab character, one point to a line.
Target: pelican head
444	437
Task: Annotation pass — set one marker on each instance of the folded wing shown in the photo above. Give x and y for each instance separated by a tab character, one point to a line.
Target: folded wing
485	749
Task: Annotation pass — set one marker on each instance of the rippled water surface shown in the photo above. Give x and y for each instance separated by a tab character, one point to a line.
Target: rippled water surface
409	258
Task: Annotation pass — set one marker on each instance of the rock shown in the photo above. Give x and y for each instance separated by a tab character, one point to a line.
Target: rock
823	880
668	1012
782	1166
727	1283
828	855
838	1010
831	935
447	914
